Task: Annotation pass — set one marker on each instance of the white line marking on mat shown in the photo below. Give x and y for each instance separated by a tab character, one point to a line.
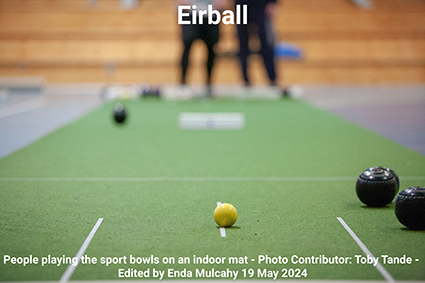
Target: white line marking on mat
176	179
222	229
380	268
193	179
68	272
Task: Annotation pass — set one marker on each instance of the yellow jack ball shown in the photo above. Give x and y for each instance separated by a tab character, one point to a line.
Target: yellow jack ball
225	215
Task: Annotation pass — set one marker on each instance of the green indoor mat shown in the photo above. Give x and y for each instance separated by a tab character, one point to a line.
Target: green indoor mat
290	173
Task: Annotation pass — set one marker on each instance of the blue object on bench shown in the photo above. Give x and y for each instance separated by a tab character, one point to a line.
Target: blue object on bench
285	50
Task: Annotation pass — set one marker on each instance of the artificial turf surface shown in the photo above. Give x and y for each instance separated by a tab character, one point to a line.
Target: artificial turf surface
54	191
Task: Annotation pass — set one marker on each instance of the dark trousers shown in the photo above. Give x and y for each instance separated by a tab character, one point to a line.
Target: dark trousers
265	34
207	33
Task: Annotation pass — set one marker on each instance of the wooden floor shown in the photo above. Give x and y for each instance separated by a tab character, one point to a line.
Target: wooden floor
70	41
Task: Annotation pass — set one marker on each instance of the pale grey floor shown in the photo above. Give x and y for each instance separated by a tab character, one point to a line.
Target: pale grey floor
27	117
396	112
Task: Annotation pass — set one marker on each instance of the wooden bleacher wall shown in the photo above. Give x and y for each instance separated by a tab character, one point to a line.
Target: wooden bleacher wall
68	41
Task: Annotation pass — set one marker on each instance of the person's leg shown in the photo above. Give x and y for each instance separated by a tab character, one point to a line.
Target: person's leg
243	51
210	62
211	34
266	35
188	36
185	61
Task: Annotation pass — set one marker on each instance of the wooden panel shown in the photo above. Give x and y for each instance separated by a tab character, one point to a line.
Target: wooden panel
88	50
295	18
110	23
304	6
167	52
226	72
397	50
353	75
72	6
69	41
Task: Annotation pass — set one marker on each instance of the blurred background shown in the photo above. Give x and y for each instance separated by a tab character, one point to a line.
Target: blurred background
361	59
342	41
